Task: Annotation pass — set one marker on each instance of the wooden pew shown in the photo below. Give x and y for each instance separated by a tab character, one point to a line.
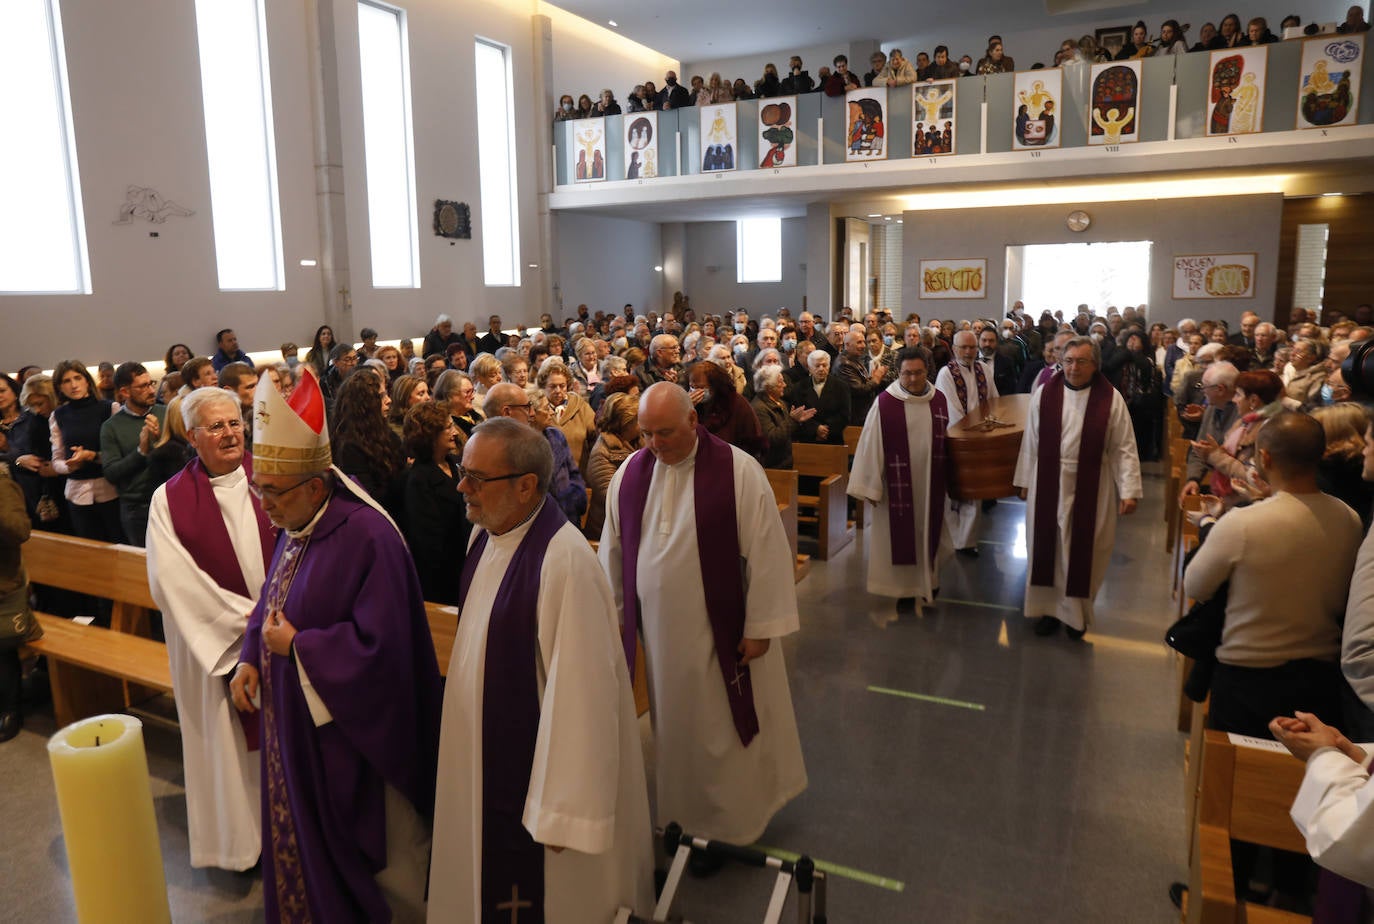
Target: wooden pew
784	485
90	669
1246	795
851	443
830	463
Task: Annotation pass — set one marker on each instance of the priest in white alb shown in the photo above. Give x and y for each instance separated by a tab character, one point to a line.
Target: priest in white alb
901	467
541	810
209	544
699	563
968	386
1079	471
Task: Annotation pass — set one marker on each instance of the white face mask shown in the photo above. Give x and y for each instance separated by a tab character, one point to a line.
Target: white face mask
706	394
739	327
964	66
567	107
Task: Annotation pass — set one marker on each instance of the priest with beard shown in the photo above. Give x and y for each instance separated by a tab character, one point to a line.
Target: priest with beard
209	544
699	563
901	467
339	659
542	811
1079	471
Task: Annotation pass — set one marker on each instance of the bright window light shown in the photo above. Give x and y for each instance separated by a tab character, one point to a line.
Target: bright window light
1063	276
758	245
43	240
496	165
388	148
240	142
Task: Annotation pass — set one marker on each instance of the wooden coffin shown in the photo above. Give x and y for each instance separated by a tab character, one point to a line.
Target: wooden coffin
984	461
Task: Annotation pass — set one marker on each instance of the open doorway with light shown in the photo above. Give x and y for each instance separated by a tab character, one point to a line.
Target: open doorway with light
1060	277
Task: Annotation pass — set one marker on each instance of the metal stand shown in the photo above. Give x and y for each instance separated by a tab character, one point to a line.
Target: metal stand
678	846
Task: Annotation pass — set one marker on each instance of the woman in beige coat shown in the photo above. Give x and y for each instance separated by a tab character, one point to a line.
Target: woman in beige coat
618	425
571	412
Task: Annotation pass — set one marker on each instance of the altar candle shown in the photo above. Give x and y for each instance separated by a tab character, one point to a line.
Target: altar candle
101	772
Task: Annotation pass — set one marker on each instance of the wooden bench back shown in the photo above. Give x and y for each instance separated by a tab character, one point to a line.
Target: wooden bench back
115	572
1248	792
851	439
820	459
784	485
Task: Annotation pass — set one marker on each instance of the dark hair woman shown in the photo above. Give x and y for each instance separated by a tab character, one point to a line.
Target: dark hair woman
178	355
76	423
722	410
364	446
406	392
320	349
436	524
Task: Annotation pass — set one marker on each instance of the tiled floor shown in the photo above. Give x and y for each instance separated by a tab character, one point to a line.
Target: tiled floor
1059	800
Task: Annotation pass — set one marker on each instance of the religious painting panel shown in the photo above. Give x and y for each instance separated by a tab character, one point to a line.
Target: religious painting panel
719	137
778	132
933	126
865	124
1036	98
641	145
961	278
1235	91
1114	103
1329	80
588	150
1214	275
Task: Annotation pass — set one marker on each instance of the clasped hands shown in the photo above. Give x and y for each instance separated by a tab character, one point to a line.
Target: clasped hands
278	635
1304	734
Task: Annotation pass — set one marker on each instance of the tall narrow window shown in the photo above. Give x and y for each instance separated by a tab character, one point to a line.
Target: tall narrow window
392	225
240	143
1309	273
496	164
758	250
43	239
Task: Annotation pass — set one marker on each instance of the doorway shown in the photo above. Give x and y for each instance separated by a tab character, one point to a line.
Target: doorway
1060	277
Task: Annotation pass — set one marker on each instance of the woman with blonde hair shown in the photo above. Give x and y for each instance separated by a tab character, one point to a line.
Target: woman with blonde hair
618	436
173	448
1341	472
485	370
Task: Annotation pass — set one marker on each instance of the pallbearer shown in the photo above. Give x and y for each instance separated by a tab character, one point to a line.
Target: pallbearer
901	466
1078	465
542	812
698	560
968	386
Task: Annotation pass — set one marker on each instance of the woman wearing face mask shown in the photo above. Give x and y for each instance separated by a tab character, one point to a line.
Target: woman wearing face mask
565	111
722	410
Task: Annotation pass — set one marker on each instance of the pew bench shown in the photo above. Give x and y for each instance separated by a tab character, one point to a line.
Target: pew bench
94	670
828	509
1246	793
784	485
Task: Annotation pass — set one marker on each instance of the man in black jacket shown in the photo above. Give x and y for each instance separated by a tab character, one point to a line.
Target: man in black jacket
673	95
1003	370
797	80
829	396
493	339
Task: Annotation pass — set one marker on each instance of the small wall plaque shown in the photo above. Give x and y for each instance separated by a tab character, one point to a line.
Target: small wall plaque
452	219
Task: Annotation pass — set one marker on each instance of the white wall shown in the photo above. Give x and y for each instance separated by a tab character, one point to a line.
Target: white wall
139	121
606	262
1027	46
588	57
711	270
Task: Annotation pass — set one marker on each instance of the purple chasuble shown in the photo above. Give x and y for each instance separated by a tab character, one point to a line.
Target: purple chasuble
901	506
1083	518
199	525
1339	900
351	591
718	553
512	862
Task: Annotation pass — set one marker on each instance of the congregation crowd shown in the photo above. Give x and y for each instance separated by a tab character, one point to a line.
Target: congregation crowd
894	69
495	455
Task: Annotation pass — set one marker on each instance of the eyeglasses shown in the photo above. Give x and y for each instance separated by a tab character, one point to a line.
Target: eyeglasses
482	480
261	493
527	407
221	427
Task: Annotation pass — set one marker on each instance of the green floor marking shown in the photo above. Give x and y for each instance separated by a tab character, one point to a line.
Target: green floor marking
989	606
976	707
831	869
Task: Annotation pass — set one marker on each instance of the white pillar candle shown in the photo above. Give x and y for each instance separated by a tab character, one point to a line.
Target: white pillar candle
101	772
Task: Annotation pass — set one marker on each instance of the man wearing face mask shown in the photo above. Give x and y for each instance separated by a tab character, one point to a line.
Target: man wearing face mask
673	95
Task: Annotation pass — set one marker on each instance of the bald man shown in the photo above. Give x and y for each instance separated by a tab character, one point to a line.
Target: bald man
700	567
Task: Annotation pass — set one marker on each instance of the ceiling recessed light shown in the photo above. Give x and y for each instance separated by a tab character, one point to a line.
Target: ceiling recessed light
875	215
307	263
887	218
1329	195
613	24
658	269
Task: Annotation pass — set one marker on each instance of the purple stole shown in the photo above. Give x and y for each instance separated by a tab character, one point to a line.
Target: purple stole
901	507
512	862
1045	375
199	526
961	387
718	552
1083	519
